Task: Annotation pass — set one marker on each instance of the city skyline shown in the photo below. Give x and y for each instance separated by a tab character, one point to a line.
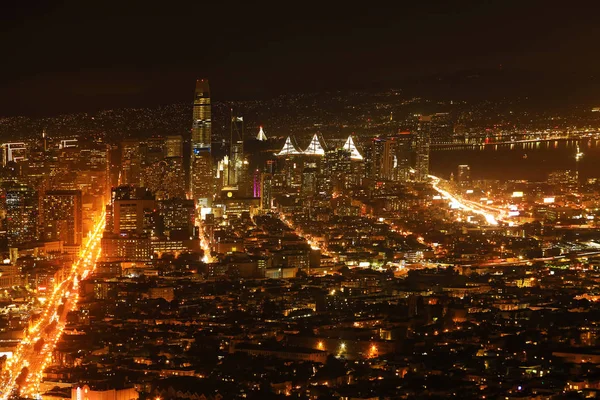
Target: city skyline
346	239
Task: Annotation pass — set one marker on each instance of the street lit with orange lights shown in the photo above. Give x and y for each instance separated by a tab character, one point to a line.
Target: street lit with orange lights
23	372
315	245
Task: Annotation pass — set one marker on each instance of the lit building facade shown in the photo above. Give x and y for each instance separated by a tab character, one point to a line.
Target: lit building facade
62	216
131	162
174	146
422	142
201	182
21	214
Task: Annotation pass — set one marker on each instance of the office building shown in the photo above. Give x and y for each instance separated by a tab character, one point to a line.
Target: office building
21	205
132	210
201	179
402	156
178	217
381	159
266	190
174	146
62	216
337	170
131	162
422	142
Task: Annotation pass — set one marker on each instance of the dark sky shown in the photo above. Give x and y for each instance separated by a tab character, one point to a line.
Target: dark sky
91	54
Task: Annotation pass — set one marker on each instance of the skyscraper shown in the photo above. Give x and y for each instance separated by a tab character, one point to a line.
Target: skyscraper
422	141
266	190
381	159
131	162
21	214
131	208
337	169
201	159
237	162
174	146
402	156
178	217
62	216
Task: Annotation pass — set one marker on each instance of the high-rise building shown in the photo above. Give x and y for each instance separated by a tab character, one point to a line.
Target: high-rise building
337	169
201	127
309	179
422	141
237	161
256	184
21	214
152	150
62	216
131	162
266	190
132	210
174	146
382	159
201	182
178	217
464	174
201	179
402	156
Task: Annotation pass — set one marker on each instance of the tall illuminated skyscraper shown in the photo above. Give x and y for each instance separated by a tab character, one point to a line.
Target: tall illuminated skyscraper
201	185
422	142
402	156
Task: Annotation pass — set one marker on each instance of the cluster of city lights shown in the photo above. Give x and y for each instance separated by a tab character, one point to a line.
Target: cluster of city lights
491	215
27	355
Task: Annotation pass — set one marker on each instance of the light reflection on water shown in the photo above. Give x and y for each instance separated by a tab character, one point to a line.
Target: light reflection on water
531	160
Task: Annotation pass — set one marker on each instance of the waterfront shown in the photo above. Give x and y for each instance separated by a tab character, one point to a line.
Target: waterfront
532	161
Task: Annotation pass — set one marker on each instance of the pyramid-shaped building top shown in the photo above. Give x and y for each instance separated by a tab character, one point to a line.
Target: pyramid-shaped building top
315	148
349	146
289	149
261	135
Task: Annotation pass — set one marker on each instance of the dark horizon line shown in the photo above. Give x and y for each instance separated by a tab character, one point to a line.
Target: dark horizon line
471	85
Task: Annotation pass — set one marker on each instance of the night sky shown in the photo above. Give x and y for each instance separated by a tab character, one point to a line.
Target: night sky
60	57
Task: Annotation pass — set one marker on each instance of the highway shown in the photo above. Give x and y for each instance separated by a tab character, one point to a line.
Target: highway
491	214
35	350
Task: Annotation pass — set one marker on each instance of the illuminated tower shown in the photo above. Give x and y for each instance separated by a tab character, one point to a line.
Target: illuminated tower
236	152
266	190
201	161
422	142
256	184
131	161
402	156
381	159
